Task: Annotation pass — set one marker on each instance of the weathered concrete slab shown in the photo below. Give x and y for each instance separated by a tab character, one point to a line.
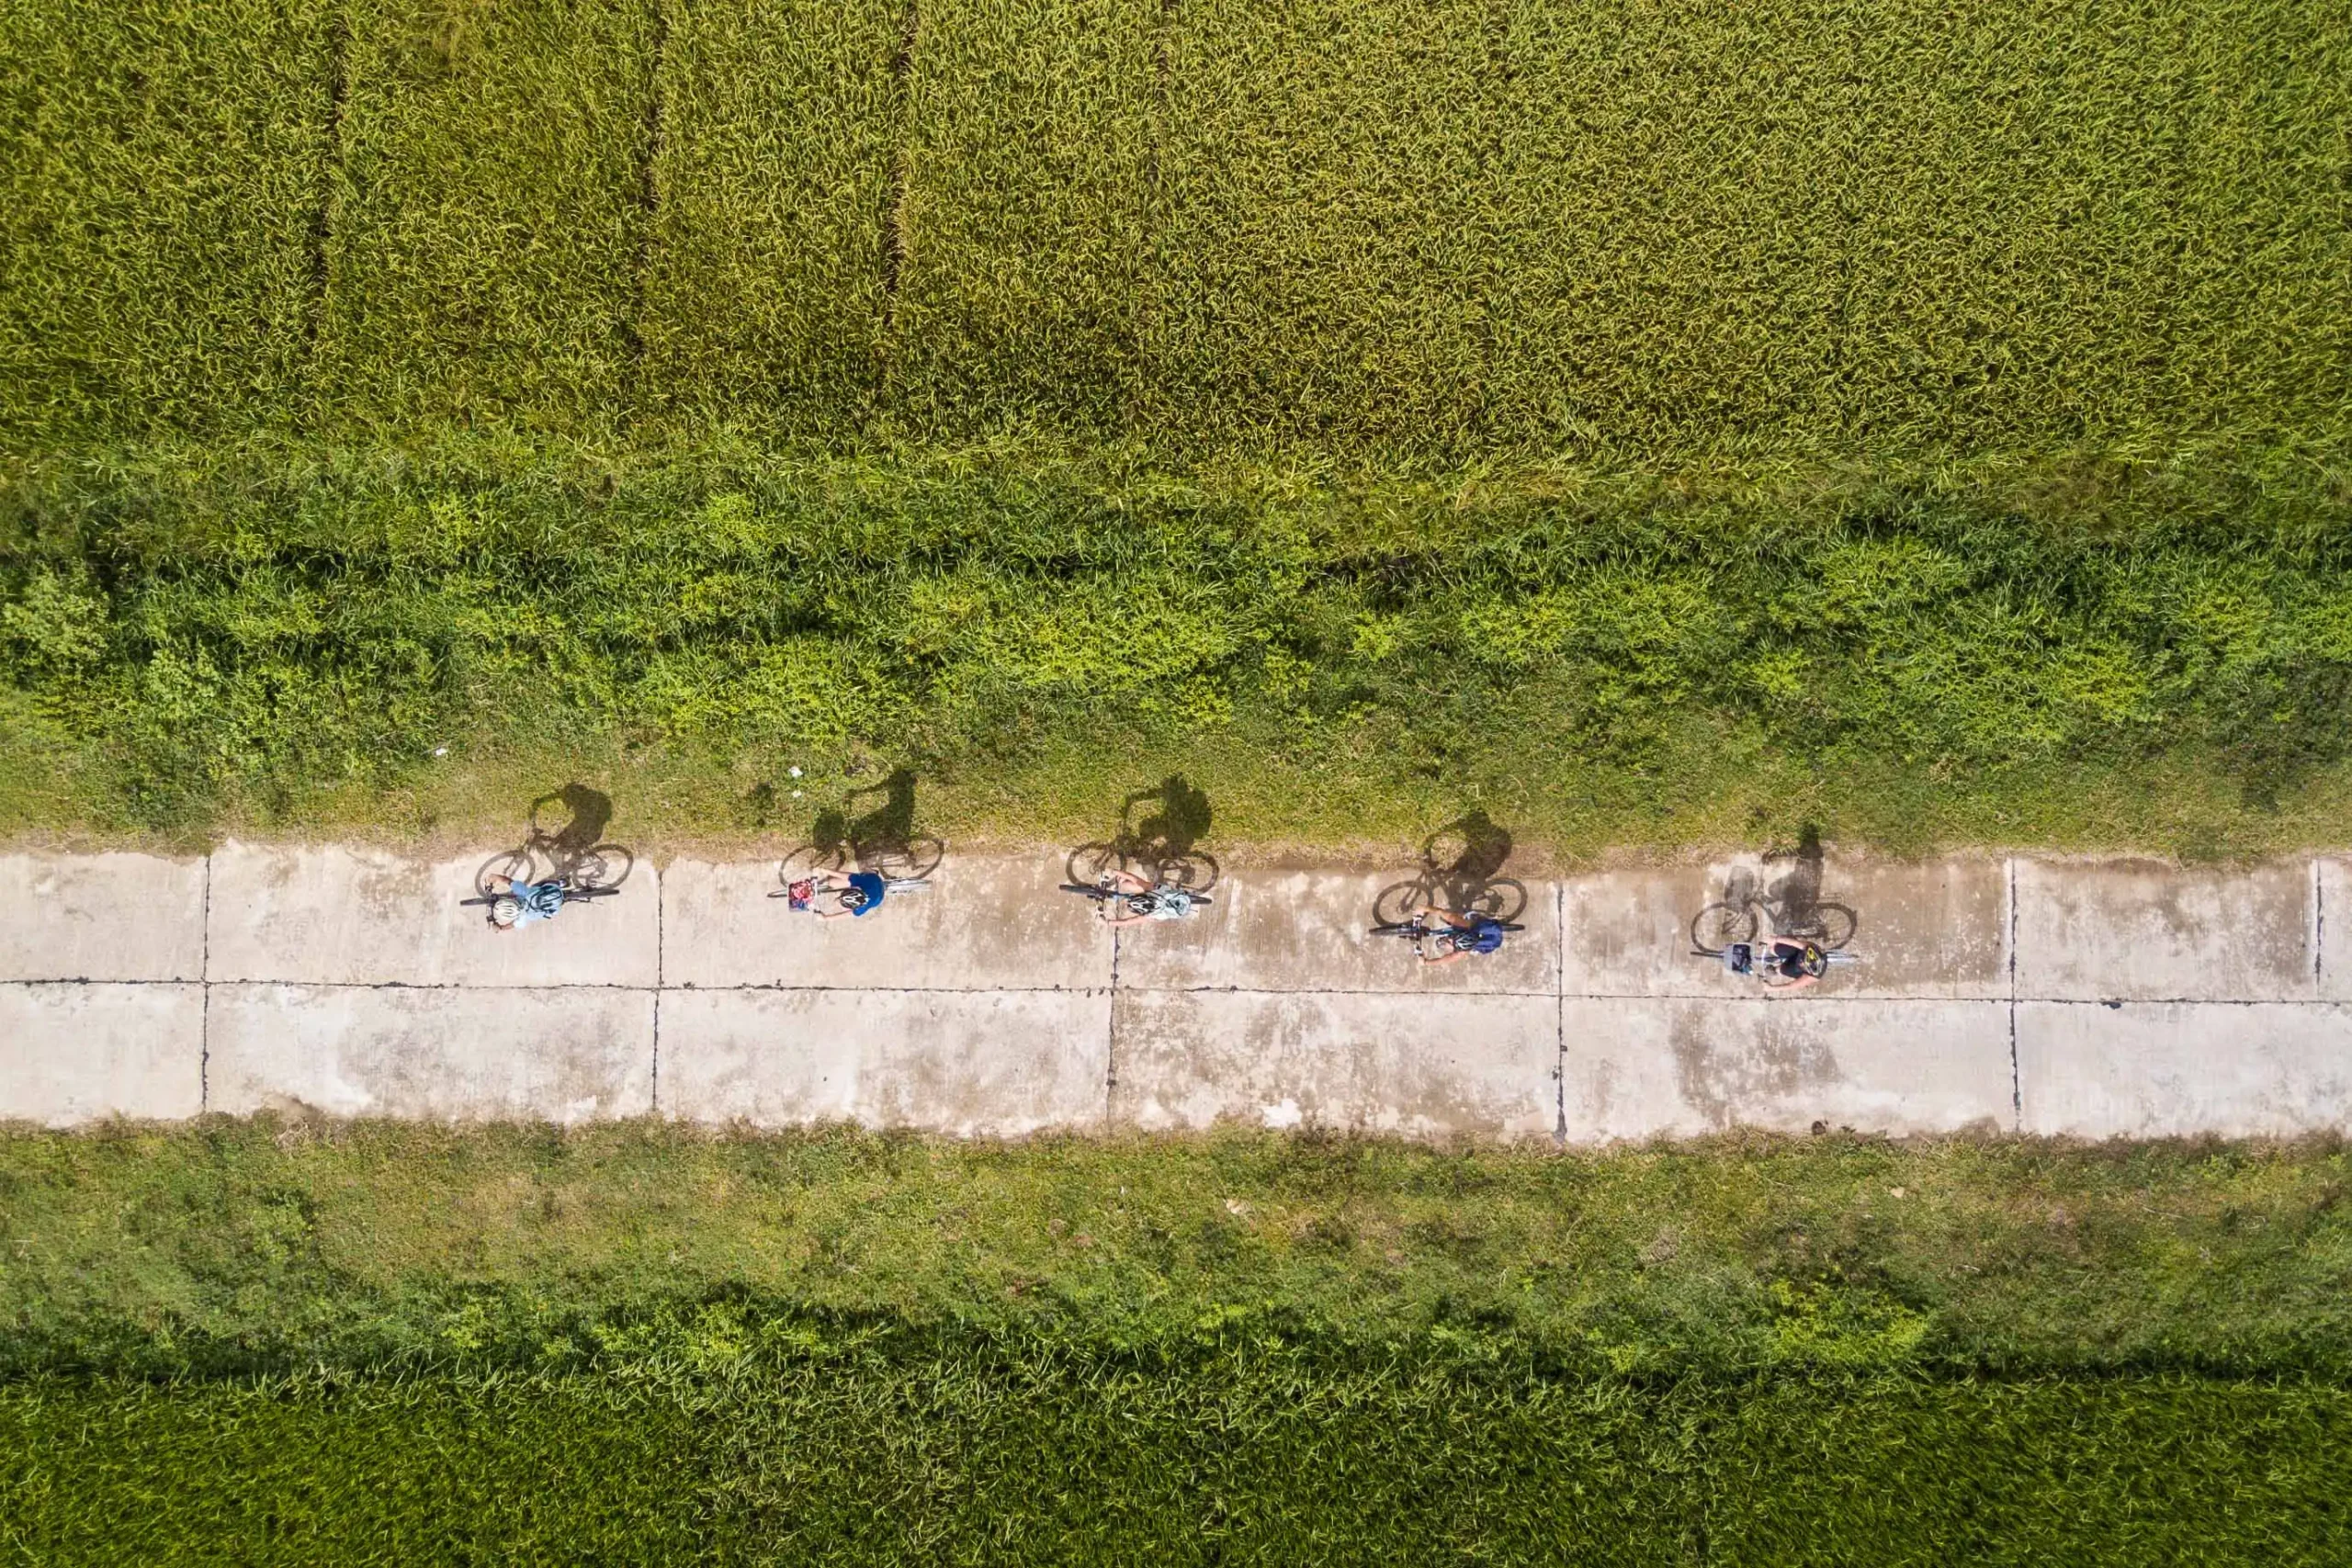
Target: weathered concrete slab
985	923
1642	1067
2169	1069
975	1062
493	1054
2332	889
107	917
1309	930
80	1052
326	915
2103	930
1934	929
1424	1066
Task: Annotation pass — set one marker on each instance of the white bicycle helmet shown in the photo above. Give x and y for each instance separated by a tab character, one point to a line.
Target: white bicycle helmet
506	909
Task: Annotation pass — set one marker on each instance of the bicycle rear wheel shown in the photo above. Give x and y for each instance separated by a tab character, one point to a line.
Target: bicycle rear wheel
808	861
1718	926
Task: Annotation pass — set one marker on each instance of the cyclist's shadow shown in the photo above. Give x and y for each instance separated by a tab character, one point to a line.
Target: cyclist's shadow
1163	846
1785	901
881	840
564	843
1460	870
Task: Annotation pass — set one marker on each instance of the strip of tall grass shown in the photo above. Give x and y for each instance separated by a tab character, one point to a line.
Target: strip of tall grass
267	1249
263	632
161	169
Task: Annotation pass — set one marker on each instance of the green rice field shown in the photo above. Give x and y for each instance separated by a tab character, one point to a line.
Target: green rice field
1618	234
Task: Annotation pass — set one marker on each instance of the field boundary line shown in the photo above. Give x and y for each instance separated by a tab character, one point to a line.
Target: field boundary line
892	261
648	199
330	167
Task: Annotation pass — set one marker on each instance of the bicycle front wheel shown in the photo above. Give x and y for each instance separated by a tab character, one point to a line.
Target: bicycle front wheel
512	865
1090	863
1718	926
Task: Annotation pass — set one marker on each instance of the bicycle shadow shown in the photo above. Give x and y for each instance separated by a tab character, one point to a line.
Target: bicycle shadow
564	841
1783	902
1163	846
881	838
1460	870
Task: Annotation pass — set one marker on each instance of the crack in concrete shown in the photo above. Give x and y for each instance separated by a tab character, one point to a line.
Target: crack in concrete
2016	1074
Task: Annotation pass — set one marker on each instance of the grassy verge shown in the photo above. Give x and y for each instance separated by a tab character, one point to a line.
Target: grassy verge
256	1248
635	1344
2087	652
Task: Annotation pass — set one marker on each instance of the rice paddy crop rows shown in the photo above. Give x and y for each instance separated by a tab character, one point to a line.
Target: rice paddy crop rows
1058	1457
1627	233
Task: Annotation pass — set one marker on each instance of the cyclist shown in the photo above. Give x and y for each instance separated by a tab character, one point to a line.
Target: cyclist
1469	932
856	895
1159	900
1800	962
516	903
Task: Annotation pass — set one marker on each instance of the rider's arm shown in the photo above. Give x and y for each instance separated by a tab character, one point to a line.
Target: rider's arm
1799	984
1448	956
1459	922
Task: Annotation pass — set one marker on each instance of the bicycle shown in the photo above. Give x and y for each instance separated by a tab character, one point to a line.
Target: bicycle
1418	931
1194	870
803	892
1104	890
572	893
911	863
583	874
1755	961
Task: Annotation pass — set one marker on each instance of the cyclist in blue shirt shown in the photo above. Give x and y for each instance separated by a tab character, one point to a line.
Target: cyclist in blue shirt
513	902
857	895
1471	932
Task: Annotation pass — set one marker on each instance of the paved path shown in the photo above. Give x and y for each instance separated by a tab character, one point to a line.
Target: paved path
2093	998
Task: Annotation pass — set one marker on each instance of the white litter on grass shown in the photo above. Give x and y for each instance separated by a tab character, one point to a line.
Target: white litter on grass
1285	1114
440	751
795	773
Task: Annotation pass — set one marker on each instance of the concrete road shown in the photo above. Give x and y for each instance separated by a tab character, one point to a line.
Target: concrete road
2087	998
